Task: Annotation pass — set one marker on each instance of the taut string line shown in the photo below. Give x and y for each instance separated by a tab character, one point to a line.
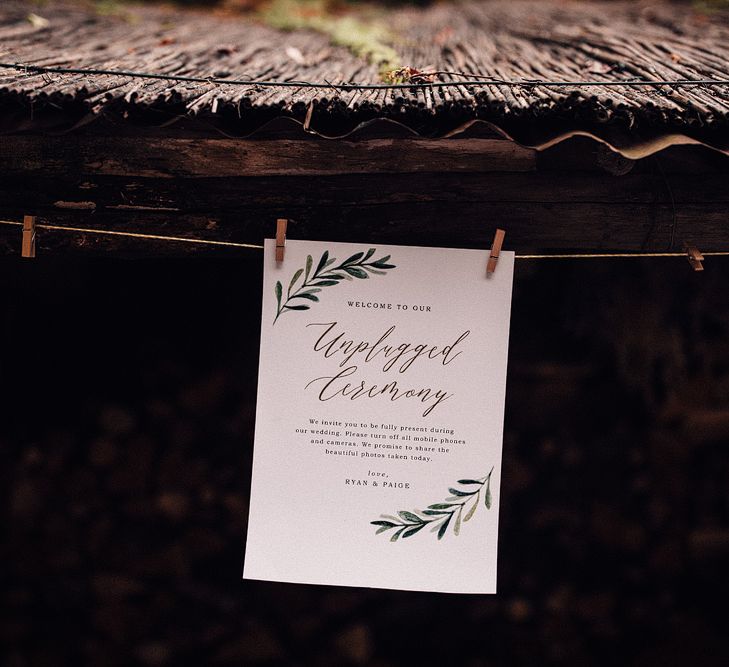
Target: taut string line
255	246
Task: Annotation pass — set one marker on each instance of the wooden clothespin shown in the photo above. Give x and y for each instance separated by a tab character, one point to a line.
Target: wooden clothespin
281	225
694	256
28	249
495	250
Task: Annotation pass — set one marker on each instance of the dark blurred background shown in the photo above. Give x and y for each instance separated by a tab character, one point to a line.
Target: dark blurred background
128	402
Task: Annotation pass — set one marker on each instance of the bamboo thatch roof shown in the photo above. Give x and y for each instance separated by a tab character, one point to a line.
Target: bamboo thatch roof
506	40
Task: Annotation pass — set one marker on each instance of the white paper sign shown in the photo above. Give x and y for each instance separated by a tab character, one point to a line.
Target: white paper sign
380	414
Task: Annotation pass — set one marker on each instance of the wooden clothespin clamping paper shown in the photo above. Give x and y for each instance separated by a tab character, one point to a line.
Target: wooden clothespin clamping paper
495	250
28	249
281	225
694	256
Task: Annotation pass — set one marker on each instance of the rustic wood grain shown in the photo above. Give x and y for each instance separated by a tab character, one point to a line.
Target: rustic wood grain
422	192
503	39
529	226
194	158
213	194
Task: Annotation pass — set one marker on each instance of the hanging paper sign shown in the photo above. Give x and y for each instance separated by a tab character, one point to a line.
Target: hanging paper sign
379	423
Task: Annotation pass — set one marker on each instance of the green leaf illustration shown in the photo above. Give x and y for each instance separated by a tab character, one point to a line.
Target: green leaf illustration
472	511
327	274
397	534
456	492
439	516
412	531
279	293
352	259
309	263
444	527
322	262
294	279
306	295
457	524
356	272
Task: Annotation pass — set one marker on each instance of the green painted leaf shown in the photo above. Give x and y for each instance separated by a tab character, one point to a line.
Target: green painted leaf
456	492
322	262
382	529
454	511
305	295
413	530
329	262
279	293
296	307
332	276
294	279
375	271
325	283
356	272
382	260
368	254
309	262
380	265
472	511
397	534
352	259
444	527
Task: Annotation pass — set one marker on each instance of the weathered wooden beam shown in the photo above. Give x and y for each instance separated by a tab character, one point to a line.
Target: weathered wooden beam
215	158
225	194
530	226
390	191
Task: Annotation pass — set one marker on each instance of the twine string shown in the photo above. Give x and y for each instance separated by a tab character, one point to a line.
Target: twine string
256	246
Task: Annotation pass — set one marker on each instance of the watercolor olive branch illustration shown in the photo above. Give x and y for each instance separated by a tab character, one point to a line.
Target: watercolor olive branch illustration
326	275
440	515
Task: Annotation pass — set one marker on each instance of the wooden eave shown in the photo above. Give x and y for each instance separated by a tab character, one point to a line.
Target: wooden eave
577	195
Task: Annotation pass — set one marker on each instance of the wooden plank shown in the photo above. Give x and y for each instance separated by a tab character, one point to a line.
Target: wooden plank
198	158
229	194
530	227
143	185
